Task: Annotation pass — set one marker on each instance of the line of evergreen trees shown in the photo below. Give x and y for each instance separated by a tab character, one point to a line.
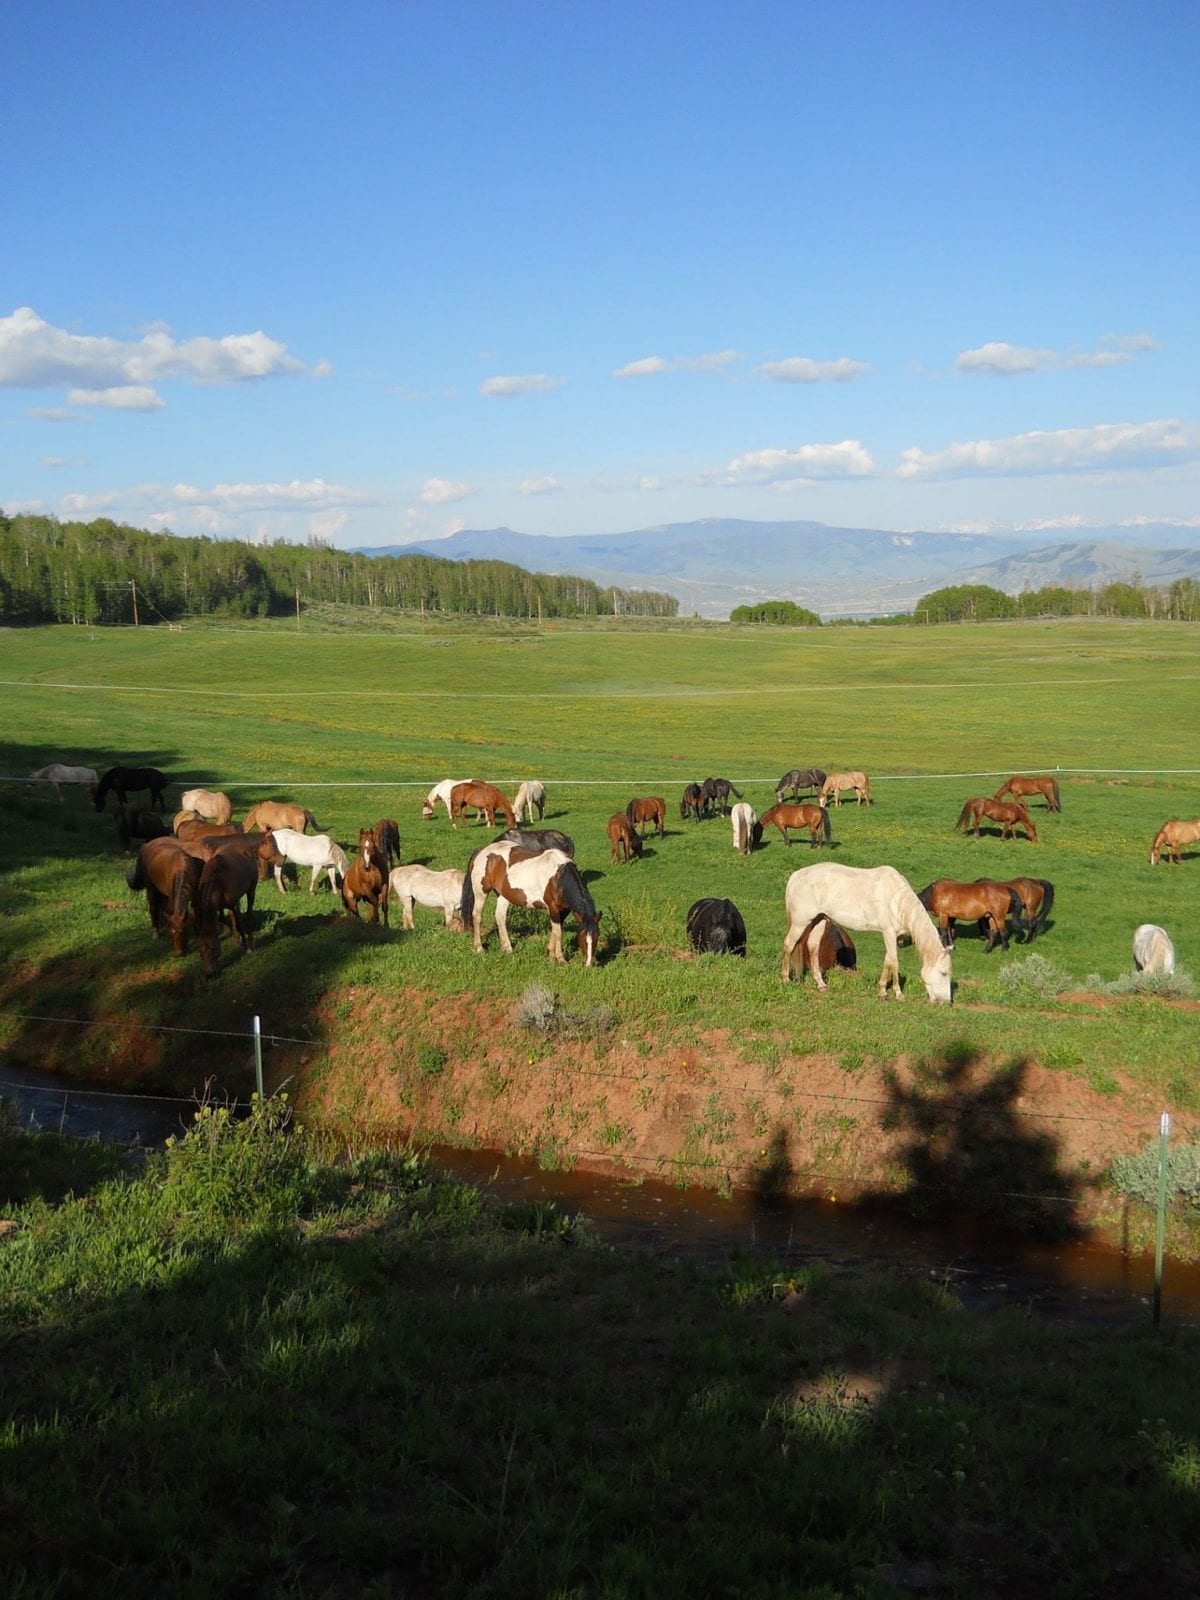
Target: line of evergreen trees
52	571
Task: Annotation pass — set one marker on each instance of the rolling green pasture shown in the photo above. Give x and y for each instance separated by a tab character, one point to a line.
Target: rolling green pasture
358	725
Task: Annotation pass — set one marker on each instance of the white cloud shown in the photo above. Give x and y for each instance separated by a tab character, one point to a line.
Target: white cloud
54	461
651	366
800	369
774	467
1004	360
312	494
54	414
1108	445
441	492
526	383
547	485
650	485
122	397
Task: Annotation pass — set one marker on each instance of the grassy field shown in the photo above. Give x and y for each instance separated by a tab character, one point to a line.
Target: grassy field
358	724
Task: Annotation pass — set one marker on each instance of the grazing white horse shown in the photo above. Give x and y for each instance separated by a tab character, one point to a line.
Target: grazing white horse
315	850
1152	949
441	791
530	794
868	900
441	891
210	804
743	819
56	773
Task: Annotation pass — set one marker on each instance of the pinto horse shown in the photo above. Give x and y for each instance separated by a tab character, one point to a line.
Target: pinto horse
124	781
1018	788
1037	901
547	882
716	792
693	803
268	814
651	808
837	781
743	819
783	817
800	780
170	878
992	904
208	803
227	877
834	948
623	839
134	823
484	798
1009	814
715	927
366	879
1171	837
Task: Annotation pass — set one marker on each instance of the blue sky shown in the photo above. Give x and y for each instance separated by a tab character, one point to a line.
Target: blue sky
377	272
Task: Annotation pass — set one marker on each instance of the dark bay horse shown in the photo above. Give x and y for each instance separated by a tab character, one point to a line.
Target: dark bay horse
1009	814
227	877
623	839
1017	788
715	927
258	848
651	808
170	878
716	792
1037	898
534	839
386	834
693	803
800	780
993	904
484	798
366	879
124	781
135	823
783	817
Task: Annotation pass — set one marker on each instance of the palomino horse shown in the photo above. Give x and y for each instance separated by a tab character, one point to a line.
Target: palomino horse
623	839
1172	837
417	885
184	816
386	834
170	878
716	792
441	791
530	795
547	882
366	879
693	803
743	819
1018	788
315	850
1009	814
837	781
650	808
869	900
268	814
226	878
482	797
56	773
784	816
1037	901
124	781
209	803
535	839
990	904
134	823
715	927
800	780
1152	949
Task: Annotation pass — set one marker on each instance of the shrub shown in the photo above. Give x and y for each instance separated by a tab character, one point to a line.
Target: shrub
1163	985
1034	978
1138	1175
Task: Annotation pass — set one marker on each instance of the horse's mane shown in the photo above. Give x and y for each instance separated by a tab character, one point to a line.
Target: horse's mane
575	892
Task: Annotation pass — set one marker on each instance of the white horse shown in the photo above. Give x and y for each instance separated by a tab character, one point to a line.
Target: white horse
743	819
1152	949
210	804
530	794
441	791
441	891
56	773
315	850
868	900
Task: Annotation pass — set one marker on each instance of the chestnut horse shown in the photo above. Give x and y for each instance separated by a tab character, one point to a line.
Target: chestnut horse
268	814
1018	788
784	816
624	841
366	879
482	797
837	781
210	803
547	882
170	878
1009	814
1037	899
651	808
990	903
259	848
227	876
1171	837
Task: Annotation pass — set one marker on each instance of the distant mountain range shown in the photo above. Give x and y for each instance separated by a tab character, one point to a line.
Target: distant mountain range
717	563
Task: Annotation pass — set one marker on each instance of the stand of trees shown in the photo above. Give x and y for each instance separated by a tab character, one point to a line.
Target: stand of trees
53	571
783	613
976	602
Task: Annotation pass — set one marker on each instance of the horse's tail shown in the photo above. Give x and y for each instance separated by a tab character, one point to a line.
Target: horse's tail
311	821
1003	790
1047	905
1057	796
737	792
964	816
756	833
866	788
826	831
629	813
135	877
1016	912
466	909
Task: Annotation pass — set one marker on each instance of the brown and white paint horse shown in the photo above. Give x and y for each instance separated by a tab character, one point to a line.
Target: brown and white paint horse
548	882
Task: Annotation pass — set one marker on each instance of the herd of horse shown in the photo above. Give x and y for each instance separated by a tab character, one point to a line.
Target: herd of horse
203	869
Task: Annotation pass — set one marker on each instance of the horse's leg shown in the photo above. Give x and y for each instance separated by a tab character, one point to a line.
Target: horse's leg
790	939
154	904
279	878
477	924
384	896
814	953
891	966
406	913
555	946
502	924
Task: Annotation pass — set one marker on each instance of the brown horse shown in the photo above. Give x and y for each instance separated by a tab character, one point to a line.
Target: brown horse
693	804
366	879
623	839
188	831
260	848
784	816
1171	837
1009	814
1018	788
837	781
268	814
1037	898
170	878
990	903
835	949
482	797
135	823
651	808
228	876
386	834
185	815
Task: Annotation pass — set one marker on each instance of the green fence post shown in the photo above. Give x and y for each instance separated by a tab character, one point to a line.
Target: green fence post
258	1077
1164	1128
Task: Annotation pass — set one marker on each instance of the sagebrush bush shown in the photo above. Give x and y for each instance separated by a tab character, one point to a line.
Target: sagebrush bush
1163	985
1034	978
1138	1175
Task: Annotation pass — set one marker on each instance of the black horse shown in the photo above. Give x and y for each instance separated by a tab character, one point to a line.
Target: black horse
716	927
716	791
124	781
800	780
539	839
693	803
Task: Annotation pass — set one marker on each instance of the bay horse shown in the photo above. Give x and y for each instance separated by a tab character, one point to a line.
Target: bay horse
193	828
693	803
1171	837
743	819
547	882
623	839
1017	788
837	781
715	927
535	839
1037	900
716	792
366	879
57	773
124	781
784	816
990	904
441	791
530	795
258	848
1009	814
866	899
482	797
386	834
170	878
800	780
315	850
227	877
209	803
1152	949
650	808
417	885
135	823
268	814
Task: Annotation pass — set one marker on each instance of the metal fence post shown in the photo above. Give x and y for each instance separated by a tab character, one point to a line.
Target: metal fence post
1164	1128
258	1072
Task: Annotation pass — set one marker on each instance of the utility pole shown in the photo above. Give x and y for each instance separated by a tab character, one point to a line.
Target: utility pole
133	592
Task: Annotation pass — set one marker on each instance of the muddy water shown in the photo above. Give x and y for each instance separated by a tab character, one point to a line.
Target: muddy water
985	1266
